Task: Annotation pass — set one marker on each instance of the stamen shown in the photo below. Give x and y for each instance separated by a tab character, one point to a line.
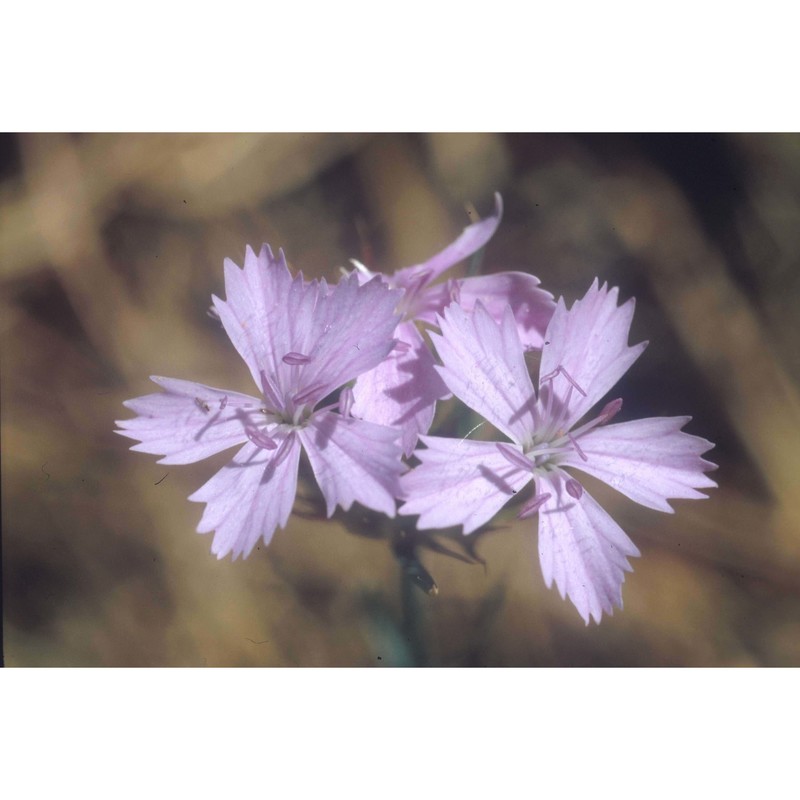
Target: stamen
574	489
202	405
400	346
296	359
270	392
610	411
454	288
562	371
283	450
223	402
260	439
575	444
346	400
533	505
515	457
360	267
302	397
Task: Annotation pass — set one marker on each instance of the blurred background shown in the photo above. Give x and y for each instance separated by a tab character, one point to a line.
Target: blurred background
110	247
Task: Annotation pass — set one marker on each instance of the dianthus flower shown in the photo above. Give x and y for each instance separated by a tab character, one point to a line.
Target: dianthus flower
466	482
403	390
301	341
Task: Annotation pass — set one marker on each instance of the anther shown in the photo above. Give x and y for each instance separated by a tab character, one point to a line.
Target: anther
346	399
454	288
515	457
574	489
260	439
574	443
202	405
562	371
296	359
302	397
283	450
610	411
223	402
400	346
533	505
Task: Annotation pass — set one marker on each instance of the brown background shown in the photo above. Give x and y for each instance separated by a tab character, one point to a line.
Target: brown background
111	246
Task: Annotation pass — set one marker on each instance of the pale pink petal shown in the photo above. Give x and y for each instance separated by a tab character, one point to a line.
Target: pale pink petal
590	342
581	548
353	460
188	421
249	498
472	238
256	310
350	332
649	460
533	307
484	366
460	482
308	339
402	390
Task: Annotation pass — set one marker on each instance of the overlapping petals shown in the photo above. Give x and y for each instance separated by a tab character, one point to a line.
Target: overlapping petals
484	366
403	389
339	333
531	306
301	341
353	460
461	482
585	352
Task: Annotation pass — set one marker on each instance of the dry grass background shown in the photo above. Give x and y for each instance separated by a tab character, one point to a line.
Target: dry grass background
110	248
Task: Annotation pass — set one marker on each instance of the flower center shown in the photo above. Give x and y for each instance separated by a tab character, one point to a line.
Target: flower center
552	441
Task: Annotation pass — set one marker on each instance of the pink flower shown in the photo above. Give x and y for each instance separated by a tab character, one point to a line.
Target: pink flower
301	341
402	391
466	482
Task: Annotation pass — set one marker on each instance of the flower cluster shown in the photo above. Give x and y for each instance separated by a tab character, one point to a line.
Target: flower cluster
345	374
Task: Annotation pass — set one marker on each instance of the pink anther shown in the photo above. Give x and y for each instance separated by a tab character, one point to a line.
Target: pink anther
574	489
610	411
515	457
260	439
400	346
296	359
533	505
